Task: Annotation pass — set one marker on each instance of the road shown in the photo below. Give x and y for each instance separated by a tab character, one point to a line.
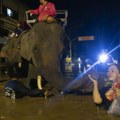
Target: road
58	107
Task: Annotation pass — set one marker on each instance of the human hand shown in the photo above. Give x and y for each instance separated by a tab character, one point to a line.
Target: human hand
45	17
116	88
31	14
110	94
92	79
28	11
117	92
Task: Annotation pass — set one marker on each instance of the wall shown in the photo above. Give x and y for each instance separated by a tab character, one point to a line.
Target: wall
7	23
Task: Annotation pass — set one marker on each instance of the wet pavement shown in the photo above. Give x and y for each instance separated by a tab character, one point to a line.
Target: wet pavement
59	107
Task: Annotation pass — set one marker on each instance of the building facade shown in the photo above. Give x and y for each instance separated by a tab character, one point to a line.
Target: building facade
11	11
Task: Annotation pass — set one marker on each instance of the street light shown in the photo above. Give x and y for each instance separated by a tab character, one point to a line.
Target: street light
70	44
81	38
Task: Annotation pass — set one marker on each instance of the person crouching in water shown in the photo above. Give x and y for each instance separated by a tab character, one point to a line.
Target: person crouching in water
109	95
15	89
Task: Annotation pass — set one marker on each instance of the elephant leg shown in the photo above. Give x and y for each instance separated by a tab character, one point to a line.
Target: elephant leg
55	77
32	74
35	60
49	68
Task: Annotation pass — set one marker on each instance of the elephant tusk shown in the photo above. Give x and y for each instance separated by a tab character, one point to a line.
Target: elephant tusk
39	82
19	65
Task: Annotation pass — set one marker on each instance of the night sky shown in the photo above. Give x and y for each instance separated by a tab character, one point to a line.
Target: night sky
100	18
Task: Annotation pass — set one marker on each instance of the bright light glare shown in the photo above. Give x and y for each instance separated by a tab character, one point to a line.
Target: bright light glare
103	57
79	60
9	12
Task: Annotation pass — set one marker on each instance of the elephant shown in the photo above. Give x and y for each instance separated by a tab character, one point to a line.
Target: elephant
43	47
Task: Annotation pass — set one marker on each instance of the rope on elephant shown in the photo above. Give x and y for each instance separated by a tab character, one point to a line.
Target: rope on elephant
19	38
24	32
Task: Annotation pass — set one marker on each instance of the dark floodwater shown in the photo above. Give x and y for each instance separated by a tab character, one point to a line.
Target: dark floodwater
59	107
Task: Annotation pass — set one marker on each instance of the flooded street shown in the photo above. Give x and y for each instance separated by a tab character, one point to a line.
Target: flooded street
59	107
63	50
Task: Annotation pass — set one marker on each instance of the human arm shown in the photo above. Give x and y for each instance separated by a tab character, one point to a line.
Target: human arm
35	11
96	95
52	10
50	13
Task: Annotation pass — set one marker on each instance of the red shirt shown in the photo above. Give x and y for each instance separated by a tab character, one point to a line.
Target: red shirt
49	10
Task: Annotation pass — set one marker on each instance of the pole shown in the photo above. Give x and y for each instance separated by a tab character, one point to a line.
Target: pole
70	44
70	51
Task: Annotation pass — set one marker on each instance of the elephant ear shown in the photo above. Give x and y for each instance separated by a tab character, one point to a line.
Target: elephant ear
11	51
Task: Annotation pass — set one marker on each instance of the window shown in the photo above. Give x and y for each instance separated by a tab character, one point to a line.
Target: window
8	12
